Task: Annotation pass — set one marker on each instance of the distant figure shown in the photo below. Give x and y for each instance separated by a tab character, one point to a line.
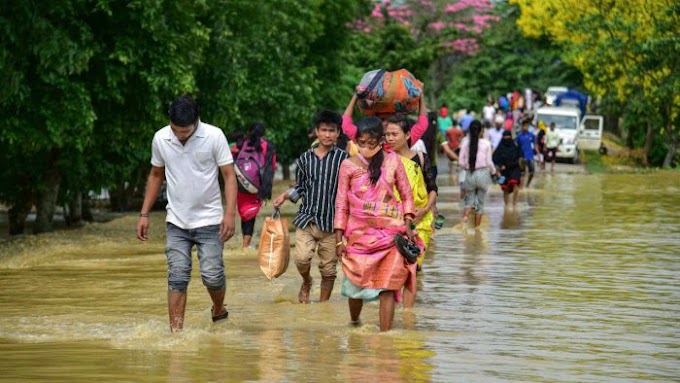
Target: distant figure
188	154
507	157
552	143
444	121
495	134
527	142
475	158
540	144
260	154
466	120
489	110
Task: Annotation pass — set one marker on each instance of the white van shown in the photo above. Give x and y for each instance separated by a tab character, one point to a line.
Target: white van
576	133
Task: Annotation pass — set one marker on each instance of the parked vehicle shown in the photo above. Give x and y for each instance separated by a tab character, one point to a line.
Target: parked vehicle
577	133
590	133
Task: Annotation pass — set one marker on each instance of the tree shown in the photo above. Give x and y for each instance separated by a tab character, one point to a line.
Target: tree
42	52
276	62
428	37
85	87
626	48
507	60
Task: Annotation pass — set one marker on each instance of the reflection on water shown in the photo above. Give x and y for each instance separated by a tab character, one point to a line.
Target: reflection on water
578	283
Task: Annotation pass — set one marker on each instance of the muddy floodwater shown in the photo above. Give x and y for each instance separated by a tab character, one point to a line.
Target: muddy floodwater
579	283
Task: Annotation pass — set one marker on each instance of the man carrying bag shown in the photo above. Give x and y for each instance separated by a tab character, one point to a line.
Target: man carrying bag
317	185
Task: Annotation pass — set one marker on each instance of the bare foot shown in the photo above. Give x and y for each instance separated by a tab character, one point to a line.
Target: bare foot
303	295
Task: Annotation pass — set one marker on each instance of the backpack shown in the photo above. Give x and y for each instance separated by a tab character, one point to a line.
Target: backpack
249	166
503	104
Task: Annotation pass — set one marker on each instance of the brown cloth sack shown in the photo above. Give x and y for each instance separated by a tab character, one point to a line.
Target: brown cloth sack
274	249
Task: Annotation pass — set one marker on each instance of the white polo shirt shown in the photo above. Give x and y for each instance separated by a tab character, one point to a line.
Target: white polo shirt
194	198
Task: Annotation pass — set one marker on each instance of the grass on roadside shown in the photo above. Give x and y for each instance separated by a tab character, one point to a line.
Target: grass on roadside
618	157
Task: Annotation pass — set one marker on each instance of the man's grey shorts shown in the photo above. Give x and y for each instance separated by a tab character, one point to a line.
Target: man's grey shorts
178	252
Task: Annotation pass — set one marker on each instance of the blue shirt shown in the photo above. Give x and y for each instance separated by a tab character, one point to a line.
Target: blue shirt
526	141
465	122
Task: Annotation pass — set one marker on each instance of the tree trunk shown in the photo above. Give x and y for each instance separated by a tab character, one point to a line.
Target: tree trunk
649	139
17	214
672	135
87	210
286	171
46	201
75	210
672	152
631	133
120	197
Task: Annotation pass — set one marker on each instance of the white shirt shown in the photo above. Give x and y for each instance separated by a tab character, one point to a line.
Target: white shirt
194	198
489	112
494	136
552	139
419	146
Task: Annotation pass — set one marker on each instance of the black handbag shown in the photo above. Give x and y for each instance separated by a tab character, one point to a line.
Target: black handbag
407	248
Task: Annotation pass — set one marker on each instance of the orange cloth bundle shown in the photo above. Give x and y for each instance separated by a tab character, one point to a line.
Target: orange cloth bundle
381	91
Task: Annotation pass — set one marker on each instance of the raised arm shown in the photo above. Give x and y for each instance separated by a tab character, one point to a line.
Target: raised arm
420	127
348	126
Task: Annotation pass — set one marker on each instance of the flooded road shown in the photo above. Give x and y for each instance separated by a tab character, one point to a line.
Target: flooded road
580	283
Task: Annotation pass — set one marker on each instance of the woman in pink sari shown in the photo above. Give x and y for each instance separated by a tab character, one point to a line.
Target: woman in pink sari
368	215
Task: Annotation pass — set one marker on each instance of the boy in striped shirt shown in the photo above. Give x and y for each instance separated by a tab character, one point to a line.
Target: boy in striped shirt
317	185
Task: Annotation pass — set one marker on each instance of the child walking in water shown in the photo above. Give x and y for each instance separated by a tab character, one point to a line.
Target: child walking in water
368	215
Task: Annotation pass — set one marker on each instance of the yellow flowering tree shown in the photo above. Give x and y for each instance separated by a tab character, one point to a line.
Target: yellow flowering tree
627	49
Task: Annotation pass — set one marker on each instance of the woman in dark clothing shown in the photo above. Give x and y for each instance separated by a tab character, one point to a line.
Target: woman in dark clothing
506	157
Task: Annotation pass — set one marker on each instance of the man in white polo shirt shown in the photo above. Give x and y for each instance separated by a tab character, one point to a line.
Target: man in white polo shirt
188	153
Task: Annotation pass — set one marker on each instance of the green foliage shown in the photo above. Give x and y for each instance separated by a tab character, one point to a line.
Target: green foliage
507	61
85	84
391	47
273	62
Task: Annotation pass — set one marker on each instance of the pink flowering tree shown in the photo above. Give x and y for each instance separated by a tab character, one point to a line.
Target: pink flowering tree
430	35
455	25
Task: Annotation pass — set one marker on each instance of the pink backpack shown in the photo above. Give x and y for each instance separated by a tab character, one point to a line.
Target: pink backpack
249	166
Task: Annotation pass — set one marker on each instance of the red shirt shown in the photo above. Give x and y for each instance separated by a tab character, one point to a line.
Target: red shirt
454	135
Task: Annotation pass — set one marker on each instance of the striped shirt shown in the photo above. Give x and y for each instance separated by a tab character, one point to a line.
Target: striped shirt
317	184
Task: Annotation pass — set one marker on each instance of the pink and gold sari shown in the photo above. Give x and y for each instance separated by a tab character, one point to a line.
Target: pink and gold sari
370	216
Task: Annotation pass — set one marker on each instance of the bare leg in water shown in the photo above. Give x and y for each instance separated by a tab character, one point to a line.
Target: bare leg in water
478	219
409	298
466	214
177	301
355	306
386	310
217	297
246	240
